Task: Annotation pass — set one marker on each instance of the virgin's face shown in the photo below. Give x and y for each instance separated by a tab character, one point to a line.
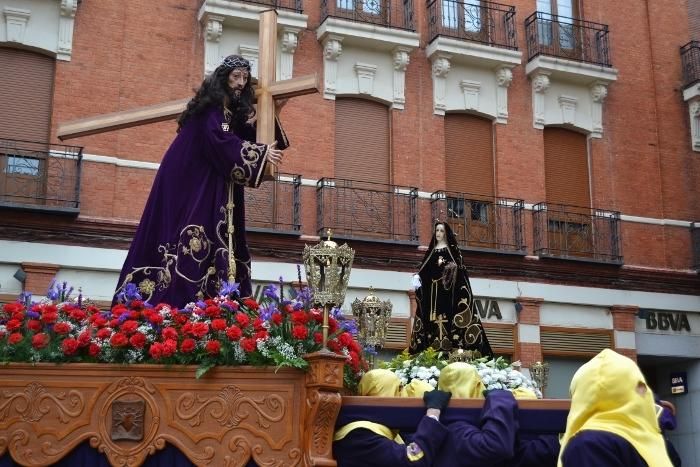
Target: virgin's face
439	232
237	80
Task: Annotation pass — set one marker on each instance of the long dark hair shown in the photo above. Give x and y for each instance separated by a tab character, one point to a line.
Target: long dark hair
215	91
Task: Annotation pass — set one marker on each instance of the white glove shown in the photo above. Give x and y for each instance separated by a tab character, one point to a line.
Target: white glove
415	282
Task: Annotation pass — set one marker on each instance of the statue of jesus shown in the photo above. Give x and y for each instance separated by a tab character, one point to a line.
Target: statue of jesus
191	238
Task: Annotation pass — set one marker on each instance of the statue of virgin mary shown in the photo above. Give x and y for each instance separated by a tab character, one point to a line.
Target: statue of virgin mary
446	318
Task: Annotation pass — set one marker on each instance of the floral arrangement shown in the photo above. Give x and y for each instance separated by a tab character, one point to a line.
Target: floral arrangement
224	330
495	373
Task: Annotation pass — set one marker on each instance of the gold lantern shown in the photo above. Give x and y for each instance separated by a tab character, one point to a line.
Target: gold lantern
539	371
328	269
373	316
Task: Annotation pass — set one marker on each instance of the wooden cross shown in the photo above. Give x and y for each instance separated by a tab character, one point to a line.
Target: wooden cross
267	91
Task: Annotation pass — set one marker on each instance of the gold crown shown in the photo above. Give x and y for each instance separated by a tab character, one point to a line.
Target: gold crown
461	355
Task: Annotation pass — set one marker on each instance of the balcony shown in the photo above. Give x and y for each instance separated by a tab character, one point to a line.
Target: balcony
571	232
275	205
690	63
397	14
567	38
487	23
40	176
481	223
367	211
695	234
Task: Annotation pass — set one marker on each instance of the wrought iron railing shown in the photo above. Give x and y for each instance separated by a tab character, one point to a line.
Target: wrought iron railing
275	205
577	233
293	5
365	210
695	237
481	222
397	14
473	20
40	176
568	38
690	61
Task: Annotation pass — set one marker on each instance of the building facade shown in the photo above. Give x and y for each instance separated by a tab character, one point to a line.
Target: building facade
559	138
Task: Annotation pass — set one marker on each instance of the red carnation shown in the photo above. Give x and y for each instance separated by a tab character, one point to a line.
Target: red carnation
262	335
34	325
248	344
332	325
218	324
187	345
345	339
94	350
276	318
200	330
84	339
355	346
169	333
138	340
15	338
61	328
156	350
212	311
49	317
169	347
213	347
77	315
69	346
41	340
300	332
250	303
99	321
119	339
234	333
288	308
334	345
104	333
242	319
155	318
129	326
11	308
300	317
258	324
13	325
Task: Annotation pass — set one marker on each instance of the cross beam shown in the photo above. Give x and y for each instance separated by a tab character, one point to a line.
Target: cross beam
267	91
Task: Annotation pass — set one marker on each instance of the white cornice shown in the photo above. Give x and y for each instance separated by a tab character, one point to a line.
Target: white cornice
367	34
242	13
474	53
570	70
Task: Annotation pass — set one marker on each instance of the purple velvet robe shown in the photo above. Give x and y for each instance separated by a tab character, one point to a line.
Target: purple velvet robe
601	449
364	448
491	443
180	251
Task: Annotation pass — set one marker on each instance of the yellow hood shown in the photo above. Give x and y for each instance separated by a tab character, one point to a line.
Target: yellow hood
379	383
609	393
462	380
524	393
416	388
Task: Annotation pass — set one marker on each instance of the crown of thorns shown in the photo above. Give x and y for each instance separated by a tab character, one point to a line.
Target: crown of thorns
234	61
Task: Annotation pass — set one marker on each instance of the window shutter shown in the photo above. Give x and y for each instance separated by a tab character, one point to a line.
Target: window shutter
26	94
566	167
361	140
469	154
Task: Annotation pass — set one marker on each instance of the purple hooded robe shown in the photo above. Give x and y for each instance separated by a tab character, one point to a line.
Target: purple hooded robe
180	250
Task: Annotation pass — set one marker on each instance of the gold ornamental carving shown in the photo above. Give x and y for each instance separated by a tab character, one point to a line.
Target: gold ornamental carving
35	401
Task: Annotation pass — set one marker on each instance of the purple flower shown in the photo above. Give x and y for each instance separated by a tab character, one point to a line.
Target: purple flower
270	291
229	288
53	292
129	293
33	314
25	298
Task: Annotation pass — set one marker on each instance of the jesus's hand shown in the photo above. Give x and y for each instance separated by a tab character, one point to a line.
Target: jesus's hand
274	155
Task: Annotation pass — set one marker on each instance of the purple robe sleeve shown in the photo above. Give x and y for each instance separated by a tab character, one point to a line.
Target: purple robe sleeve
601	449
364	448
541	451
494	440
227	153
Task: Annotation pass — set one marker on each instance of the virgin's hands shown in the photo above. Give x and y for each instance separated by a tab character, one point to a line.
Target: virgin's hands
274	155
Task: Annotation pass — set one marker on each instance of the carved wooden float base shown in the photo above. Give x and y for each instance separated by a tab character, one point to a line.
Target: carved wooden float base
232	414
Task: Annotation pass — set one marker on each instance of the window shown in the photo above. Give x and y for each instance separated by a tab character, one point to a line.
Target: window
465	15
21	165
560	26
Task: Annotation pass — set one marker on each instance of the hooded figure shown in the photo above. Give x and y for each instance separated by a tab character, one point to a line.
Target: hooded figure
446	318
612	420
365	444
490	443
